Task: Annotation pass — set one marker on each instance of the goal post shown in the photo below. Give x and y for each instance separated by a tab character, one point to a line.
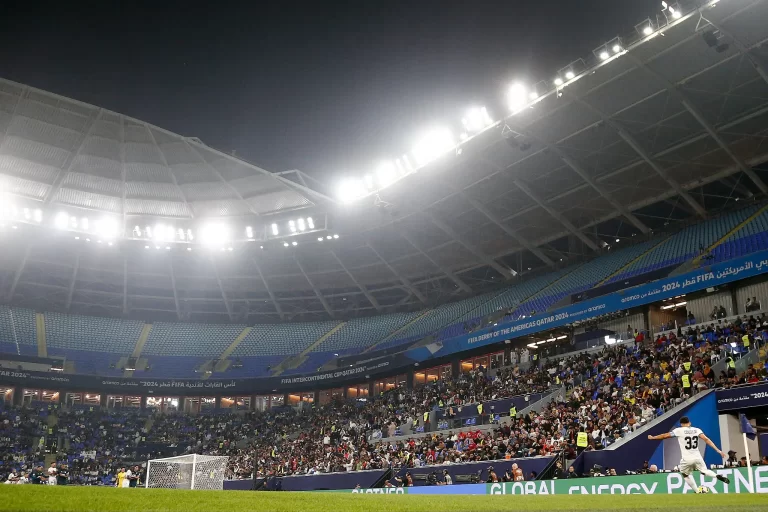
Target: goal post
187	472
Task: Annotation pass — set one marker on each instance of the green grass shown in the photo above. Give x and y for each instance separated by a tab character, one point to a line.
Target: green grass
104	499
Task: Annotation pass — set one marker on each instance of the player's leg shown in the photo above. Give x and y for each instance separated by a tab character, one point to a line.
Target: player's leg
686	469
702	467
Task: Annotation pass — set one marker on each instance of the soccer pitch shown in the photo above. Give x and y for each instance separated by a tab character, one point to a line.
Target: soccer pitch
39	498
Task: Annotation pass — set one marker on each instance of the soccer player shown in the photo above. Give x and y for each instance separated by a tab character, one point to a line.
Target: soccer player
690	457
52	474
120	478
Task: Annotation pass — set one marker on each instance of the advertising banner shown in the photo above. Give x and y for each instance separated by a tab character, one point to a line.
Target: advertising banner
660	483
755	395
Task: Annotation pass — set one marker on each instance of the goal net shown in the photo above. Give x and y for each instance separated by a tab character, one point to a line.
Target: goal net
187	472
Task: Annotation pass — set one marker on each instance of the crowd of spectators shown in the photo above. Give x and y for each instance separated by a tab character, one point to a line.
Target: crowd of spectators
607	394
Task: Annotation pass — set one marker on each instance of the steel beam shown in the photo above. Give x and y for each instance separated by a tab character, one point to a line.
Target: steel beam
604	193
753	59
170	171
562	220
505	273
220	177
125	286
477	205
642	153
71	289
123	172
368	295
708	127
67	166
223	293
453	277
269	290
173	286
319	295
17	274
406	282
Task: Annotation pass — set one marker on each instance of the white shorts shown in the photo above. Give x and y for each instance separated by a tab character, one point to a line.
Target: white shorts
51	480
689	466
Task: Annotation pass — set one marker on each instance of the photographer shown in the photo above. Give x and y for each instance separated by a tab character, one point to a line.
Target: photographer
492	476
432	478
447	478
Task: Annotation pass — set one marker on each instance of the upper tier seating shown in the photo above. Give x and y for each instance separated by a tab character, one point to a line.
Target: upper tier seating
751	238
173	339
175	349
363	332
282	339
687	243
64	333
17	325
582	277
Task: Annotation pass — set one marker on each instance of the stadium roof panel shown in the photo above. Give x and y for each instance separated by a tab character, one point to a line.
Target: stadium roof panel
659	133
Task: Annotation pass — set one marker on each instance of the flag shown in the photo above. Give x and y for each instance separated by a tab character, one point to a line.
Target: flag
746	427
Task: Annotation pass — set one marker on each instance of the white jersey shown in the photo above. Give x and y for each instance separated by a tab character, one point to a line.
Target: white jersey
688	439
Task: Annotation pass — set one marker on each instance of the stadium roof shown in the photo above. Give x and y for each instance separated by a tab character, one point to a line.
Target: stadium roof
673	126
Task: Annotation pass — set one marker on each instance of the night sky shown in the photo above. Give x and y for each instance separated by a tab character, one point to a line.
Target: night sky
328	88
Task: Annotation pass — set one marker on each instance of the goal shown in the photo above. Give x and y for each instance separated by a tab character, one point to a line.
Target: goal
187	472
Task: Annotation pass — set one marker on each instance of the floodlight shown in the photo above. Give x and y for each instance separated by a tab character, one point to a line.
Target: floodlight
533	95
294	243
189	235
148	231
386	173
302	225
285	244
136	231
517	97
368	181
248	232
107	227
558	81
604	55
146	247
214	233
84	223
180	233
616	48
275	229
351	189
569	74
675	13
647	30
109	244
27	213
73	222
664	4
617	240
189	248
62	220
310	223
477	119
335	236
432	144
292	225
328	237
164	233
319	239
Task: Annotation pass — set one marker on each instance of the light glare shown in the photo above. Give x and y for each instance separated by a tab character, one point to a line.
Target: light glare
432	144
604	55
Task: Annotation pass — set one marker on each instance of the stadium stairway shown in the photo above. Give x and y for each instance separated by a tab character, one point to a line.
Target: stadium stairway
696	262
392	335
42	346
145	330
223	362
292	362
629	264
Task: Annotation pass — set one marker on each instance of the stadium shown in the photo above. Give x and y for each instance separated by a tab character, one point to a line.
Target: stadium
514	306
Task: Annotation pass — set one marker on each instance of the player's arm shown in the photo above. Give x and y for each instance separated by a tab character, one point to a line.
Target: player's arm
660	437
711	444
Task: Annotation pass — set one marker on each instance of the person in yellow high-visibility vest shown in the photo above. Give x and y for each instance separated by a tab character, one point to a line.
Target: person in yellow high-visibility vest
686	383
745	341
426	418
687	366
513	412
582	440
480	409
